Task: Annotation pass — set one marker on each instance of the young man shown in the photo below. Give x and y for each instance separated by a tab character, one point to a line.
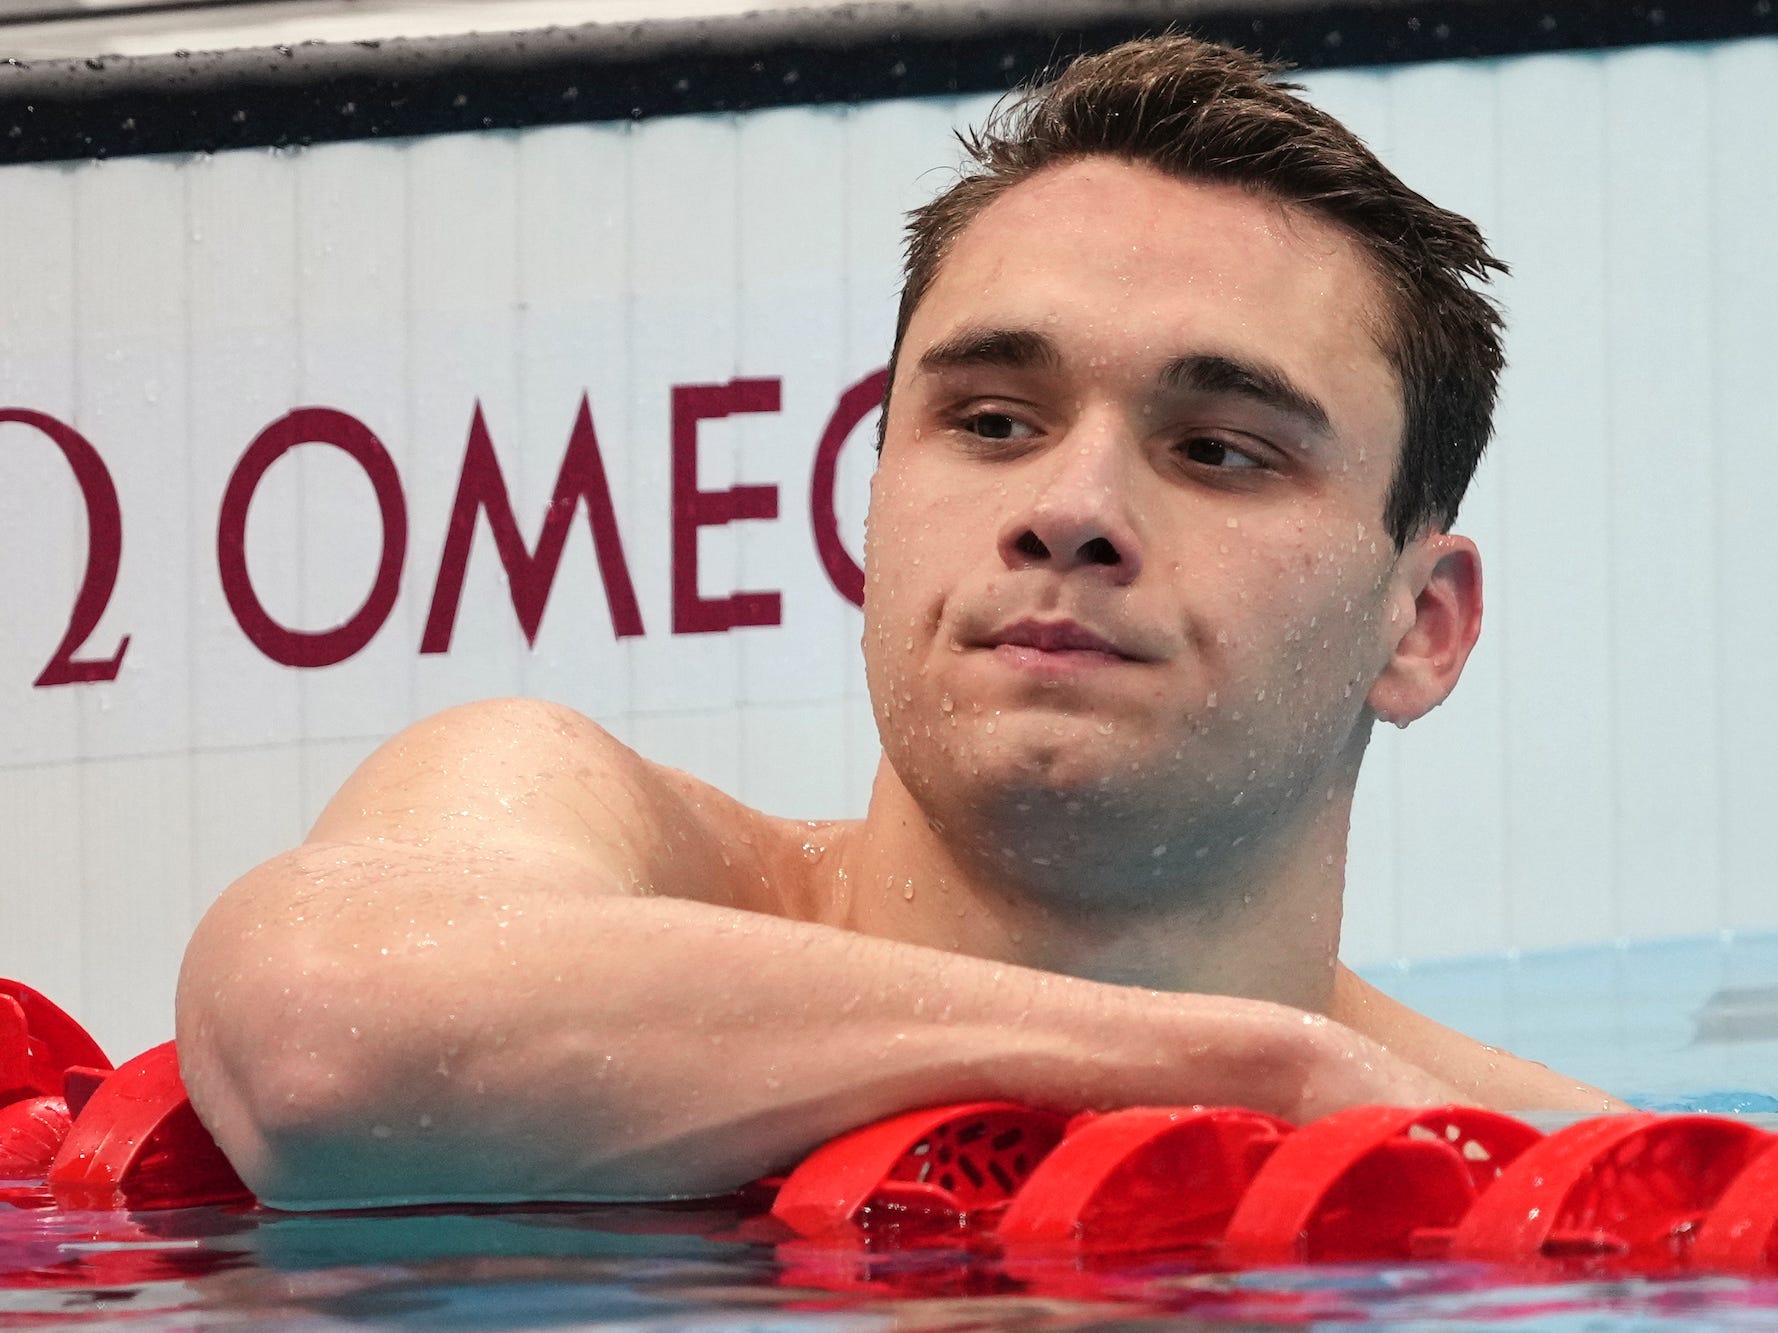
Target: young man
1186	390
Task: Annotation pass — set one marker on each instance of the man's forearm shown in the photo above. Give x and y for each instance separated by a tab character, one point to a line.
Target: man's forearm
458	1029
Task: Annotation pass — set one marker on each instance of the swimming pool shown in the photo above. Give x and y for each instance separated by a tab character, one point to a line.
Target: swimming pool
1690	1024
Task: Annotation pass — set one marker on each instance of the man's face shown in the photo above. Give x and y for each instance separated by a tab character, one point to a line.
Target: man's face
1125	544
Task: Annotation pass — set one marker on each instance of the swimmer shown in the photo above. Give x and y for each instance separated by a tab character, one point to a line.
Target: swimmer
1185	391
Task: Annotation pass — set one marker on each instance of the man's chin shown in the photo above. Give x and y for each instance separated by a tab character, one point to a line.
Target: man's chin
1052	775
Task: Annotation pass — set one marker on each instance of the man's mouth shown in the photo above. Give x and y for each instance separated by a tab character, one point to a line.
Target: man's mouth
1053	644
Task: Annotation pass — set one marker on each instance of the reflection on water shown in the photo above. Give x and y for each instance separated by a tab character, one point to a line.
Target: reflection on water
724	1266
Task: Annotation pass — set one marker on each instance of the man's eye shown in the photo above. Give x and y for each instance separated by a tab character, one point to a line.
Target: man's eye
1207	451
995	426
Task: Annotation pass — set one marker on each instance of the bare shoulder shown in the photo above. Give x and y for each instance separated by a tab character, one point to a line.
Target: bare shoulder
528	775
1487	1074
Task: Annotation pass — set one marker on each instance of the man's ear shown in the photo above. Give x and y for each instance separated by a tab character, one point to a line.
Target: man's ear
1437	607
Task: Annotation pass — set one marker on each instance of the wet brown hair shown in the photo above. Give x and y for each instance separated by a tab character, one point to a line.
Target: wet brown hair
1212	113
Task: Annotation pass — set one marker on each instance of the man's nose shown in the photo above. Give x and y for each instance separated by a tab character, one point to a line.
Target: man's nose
1076	514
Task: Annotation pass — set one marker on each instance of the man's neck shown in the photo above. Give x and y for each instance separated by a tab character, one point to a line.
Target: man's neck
1263	922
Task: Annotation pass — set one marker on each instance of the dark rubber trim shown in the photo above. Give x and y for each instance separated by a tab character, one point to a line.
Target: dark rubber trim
325	92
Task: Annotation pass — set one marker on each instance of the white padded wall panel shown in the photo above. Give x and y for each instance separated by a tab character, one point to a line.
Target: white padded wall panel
792	212
573	264
240	251
40	509
684	329
1449	823
131	294
352	353
136	862
1743	341
1659	377
1550	576
461	226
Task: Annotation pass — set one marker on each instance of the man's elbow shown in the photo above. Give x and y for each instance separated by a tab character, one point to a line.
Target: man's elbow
266	1071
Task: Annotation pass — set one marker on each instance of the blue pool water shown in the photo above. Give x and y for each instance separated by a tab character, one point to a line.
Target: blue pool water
1683	1025
1687	1024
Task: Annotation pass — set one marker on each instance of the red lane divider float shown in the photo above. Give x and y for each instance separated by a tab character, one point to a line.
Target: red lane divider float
1372	1182
1634	1193
31	1130
136	1143
1146	1178
1630	1188
78	1133
37	1042
1630	1193
935	1170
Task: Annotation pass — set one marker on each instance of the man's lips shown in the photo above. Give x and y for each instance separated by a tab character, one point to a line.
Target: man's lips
1058	638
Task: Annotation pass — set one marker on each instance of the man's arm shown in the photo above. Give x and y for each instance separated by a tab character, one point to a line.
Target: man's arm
472	984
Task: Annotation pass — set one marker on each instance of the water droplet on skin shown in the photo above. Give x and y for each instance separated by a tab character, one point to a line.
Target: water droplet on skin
907	891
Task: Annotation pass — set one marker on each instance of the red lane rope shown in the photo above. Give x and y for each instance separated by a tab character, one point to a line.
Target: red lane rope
1632	1193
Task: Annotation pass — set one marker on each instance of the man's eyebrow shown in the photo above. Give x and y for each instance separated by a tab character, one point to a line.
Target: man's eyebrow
1011	349
1266	386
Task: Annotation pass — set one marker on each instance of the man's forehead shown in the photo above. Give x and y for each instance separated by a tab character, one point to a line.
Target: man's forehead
1072	202
1149	268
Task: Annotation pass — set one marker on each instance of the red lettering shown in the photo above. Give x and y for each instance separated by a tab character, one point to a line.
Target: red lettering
301	648
482	489
104	553
854	406
694	508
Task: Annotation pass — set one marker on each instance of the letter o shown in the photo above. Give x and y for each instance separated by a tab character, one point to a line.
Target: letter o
302	648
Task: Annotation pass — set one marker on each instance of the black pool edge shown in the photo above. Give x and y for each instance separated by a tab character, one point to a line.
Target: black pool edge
64	110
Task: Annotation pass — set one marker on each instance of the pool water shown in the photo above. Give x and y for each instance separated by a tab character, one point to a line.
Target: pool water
1676	1025
1689	1024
